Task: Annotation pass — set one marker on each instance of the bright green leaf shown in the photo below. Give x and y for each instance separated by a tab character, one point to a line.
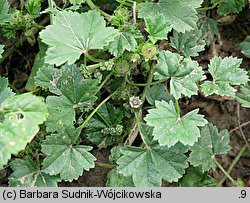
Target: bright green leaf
157	27
225	73
148	166
114	179
244	96
170	128
245	46
5	91
230	6
73	93
65	158
182	72
124	41
188	43
210	144
181	14
37	65
22	116
1	50
78	34
27	174
157	92
4	8
75	2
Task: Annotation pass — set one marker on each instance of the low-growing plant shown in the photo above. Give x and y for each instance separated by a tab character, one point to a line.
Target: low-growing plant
116	80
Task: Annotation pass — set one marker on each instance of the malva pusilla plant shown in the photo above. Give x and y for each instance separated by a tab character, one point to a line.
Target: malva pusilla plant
102	80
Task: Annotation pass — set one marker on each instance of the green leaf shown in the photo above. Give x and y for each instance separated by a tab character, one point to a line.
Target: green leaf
157	27
38	64
225	73
181	14
245	47
4	8
210	144
195	177
104	126
188	43
182	72
73	93
64	157
5	91
27	174
78	34
209	29
75	2
124	41
114	179
157	92
148	166
244	97
170	128
22	115
230	6
1	50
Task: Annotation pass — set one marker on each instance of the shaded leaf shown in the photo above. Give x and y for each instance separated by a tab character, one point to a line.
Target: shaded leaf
230	6
78	34
182	72
4	8
188	43
27	174
22	116
5	91
114	179
245	47
225	73
157	27
181	14
1	50
244	97
210	144
170	128
65	158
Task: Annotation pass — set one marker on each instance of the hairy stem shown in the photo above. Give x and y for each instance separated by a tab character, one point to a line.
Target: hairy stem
94	7
104	165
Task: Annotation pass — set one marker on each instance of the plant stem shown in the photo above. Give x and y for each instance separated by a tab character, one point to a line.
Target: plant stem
95	110
93	58
94	7
123	2
104	165
236	159
208	8
104	81
145	84
177	108
149	81
223	170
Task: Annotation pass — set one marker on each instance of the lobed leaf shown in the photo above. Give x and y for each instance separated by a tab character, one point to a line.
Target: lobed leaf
245	47
170	128
225	73
244	97
78	34
27	174
4	8
230	6
210	144
5	91
180	14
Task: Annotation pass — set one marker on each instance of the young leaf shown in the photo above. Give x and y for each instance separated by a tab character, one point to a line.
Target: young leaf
210	144
65	158
22	115
245	47
105	125
78	34
157	92
1	50
157	27
181	14
5	91
225	73
124	41
4	8
75	2
148	166
188	43
183	73
38	64
230	6
74	92
170	128
114	179
244	96
27	174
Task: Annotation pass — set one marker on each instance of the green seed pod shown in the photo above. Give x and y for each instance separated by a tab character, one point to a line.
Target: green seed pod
149	51
121	67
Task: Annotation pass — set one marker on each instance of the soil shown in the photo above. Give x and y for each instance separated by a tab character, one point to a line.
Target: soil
222	112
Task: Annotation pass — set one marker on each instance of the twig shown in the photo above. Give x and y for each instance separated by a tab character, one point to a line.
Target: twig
242	125
241	131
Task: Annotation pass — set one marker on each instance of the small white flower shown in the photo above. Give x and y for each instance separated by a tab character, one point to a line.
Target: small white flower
135	102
